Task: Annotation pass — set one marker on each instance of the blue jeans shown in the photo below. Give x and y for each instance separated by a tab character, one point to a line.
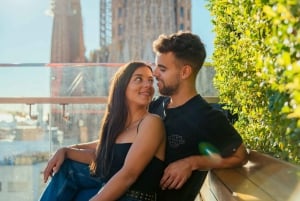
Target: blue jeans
71	183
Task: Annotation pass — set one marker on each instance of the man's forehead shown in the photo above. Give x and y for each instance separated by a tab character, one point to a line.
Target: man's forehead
160	58
165	59
159	62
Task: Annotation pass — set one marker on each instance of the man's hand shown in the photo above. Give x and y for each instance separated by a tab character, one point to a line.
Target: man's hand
54	163
176	174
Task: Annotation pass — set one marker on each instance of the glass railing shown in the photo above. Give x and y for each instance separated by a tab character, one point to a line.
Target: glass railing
44	107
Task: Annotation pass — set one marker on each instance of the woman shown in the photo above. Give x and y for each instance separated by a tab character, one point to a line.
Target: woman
130	153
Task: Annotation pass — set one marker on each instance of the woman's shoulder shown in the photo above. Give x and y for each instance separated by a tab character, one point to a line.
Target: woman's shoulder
151	121
152	117
151	125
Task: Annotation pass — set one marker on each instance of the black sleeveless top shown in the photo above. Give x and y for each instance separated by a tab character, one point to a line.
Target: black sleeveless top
149	179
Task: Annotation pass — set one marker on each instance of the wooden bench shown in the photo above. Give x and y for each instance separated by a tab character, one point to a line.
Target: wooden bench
263	178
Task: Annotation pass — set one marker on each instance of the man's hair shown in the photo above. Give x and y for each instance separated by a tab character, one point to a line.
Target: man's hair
185	46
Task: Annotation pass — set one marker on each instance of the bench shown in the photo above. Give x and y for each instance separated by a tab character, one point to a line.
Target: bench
263	178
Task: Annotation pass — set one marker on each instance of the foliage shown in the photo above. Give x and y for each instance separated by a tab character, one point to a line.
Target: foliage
257	63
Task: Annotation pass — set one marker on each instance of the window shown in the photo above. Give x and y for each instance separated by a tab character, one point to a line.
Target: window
119	12
181	26
120	29
181	12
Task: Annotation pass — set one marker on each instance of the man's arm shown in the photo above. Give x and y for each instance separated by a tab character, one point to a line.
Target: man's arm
177	173
238	158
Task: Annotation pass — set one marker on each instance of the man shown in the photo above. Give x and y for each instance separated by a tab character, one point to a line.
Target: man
189	120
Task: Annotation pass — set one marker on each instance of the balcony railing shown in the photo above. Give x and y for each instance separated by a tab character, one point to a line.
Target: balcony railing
44	107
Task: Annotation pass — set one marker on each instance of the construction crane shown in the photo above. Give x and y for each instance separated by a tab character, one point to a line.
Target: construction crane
105	28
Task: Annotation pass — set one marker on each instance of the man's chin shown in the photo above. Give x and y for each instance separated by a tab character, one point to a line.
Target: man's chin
162	92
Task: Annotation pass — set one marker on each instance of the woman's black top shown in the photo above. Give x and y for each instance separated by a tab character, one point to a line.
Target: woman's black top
149	179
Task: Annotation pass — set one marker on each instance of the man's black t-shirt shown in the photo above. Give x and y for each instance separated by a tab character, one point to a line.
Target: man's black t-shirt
188	125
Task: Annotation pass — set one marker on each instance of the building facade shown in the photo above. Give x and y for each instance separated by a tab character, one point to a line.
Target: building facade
136	24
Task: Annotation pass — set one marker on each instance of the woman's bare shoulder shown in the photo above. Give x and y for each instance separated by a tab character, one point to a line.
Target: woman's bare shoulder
152	122
153	116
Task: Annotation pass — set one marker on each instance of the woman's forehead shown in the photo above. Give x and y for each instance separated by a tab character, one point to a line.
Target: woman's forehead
143	70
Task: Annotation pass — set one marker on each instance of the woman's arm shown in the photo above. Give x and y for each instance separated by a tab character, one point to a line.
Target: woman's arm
87	145
80	155
149	142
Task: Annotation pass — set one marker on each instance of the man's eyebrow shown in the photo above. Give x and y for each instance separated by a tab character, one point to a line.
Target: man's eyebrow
162	66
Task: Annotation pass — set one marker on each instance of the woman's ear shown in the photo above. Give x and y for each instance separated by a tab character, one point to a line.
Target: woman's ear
186	71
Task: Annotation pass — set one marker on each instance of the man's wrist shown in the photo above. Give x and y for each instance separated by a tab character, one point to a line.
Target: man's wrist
191	160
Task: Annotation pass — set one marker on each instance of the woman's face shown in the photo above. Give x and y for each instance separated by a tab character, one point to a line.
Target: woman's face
140	88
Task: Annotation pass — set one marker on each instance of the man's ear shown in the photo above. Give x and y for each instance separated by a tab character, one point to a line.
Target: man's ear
186	71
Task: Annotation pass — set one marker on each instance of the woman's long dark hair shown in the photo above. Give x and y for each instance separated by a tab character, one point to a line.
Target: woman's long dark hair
114	120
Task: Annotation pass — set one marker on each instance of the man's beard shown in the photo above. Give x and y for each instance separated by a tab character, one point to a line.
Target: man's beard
168	90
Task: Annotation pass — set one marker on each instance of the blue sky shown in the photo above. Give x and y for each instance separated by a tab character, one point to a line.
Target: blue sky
25	37
25	29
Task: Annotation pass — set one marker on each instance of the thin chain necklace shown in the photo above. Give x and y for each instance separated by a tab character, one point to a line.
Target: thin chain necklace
133	124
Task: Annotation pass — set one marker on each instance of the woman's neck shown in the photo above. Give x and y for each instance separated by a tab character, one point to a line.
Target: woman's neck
135	117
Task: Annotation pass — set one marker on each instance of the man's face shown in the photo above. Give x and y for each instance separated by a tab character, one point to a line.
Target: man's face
167	74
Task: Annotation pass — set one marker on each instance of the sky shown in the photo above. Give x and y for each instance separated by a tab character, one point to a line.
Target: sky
25	37
25	29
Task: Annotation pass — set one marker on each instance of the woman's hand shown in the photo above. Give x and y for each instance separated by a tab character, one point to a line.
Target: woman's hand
54	163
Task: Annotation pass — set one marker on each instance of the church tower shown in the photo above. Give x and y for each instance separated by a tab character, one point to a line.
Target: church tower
67	33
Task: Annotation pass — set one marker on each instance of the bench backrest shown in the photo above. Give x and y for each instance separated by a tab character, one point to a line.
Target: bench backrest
262	178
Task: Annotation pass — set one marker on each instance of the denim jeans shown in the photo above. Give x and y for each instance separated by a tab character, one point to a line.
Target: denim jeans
71	183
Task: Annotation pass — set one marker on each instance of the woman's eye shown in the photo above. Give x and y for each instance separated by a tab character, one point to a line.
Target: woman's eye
138	79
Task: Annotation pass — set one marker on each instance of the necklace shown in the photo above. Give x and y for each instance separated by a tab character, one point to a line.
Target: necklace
133	123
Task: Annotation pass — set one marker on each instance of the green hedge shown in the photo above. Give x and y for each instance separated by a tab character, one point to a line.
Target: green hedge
257	63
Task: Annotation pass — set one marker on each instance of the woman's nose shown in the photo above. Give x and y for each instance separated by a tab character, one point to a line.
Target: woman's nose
148	83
